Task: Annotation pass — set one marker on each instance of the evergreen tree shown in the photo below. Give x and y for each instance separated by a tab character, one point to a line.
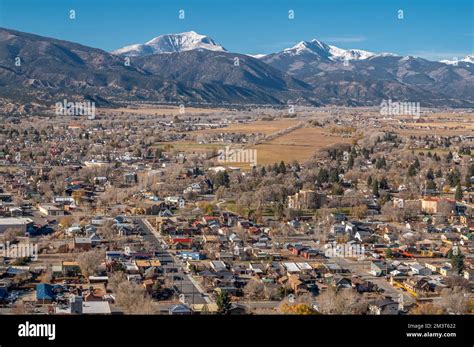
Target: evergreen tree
430	174
375	188
449	157
276	168
333	176
411	170
323	176
222	179
458	195
457	261
282	167
350	162
470	171
383	184
416	164
223	302
431	185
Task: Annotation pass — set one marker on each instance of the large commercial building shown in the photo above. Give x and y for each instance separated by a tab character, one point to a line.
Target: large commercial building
306	199
15	224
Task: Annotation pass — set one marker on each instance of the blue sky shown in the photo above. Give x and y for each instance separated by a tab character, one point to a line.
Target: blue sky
432	29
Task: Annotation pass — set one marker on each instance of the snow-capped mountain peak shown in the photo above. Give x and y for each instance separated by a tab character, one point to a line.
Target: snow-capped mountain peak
326	51
171	43
467	59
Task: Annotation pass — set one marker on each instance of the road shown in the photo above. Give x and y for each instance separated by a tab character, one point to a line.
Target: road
174	267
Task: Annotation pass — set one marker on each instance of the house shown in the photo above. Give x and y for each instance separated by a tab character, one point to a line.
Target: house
98	221
74	229
390	237
468	274
334	268
176	201
257	268
179	309
362	286
311	253
21	224
337	229
237	309
130	178
418	269
378	268
291	268
77	305
50	210
362	235
82	243
432	205
70	268
210	308
297	249
383	307
419	285
96	307
44	293
191	255
181	242
342	283
95	239
450	238
446	270
3	295
144	264
113	255
218	265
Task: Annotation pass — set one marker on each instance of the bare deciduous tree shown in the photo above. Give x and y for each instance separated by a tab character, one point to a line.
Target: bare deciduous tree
90	261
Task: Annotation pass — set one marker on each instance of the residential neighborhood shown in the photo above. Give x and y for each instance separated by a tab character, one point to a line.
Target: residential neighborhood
113	219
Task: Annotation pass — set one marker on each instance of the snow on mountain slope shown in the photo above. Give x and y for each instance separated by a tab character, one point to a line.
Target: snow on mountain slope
466	59
325	51
171	43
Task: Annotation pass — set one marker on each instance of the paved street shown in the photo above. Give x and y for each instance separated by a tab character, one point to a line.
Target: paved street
173	267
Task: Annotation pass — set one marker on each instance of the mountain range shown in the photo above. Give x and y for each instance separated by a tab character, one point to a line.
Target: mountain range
193	68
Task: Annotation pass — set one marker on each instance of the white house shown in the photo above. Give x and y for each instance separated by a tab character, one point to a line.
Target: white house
420	270
383	307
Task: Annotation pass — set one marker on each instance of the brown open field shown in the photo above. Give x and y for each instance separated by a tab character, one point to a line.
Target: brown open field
442	124
264	127
192	147
299	145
